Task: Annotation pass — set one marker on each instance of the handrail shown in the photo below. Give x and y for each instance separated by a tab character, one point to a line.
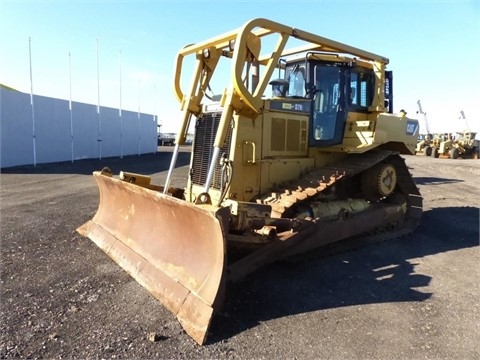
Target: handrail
243	47
249	36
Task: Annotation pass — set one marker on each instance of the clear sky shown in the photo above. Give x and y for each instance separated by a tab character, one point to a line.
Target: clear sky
433	47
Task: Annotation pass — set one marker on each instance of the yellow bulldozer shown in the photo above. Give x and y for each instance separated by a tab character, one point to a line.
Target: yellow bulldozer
298	150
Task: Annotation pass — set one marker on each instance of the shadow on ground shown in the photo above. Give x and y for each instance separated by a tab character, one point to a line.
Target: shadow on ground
378	273
144	164
434	181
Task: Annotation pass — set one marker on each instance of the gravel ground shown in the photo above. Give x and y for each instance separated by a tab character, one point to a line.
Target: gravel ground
411	298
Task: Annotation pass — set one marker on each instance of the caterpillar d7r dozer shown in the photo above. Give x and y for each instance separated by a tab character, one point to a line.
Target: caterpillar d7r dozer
271	175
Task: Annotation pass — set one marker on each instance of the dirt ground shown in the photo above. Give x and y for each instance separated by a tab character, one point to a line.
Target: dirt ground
411	298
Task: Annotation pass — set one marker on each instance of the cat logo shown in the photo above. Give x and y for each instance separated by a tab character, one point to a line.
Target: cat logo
412	127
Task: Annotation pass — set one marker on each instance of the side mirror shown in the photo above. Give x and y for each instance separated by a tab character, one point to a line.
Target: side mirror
279	87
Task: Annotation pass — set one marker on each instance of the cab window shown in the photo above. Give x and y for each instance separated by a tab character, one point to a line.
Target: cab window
296	81
362	84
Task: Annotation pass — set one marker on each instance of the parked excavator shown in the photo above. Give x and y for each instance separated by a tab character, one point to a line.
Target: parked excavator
301	149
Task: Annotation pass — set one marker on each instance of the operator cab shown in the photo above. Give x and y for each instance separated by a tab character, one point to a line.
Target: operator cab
333	86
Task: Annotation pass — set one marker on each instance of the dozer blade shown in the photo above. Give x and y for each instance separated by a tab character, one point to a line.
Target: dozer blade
175	249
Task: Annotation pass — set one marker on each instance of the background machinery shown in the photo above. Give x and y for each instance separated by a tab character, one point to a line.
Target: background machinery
466	145
462	145
442	144
271	175
425	138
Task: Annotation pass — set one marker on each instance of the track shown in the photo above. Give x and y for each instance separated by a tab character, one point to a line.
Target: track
321	180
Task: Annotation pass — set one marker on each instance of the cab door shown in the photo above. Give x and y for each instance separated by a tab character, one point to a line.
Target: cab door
328	113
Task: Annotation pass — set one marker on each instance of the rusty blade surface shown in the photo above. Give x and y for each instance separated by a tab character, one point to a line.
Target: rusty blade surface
175	249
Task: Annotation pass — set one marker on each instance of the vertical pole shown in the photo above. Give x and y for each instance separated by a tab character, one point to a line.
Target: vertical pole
120	106
138	117
31	103
155	117
98	109
70	101
156	136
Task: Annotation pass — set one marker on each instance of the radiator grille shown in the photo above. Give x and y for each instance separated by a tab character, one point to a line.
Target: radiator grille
205	132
